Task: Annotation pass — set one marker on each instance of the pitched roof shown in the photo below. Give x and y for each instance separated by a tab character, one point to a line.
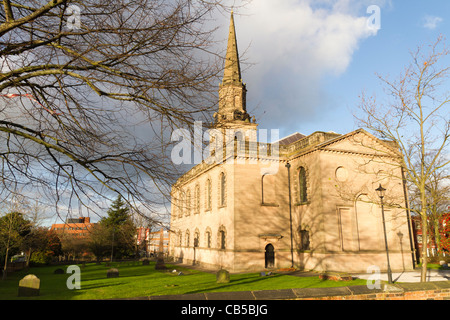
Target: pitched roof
290	139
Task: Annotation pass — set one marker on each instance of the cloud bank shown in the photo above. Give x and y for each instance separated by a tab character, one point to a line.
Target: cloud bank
291	46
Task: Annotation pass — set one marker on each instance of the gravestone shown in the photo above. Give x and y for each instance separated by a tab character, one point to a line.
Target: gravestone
59	271
29	286
222	276
112	273
145	262
335	276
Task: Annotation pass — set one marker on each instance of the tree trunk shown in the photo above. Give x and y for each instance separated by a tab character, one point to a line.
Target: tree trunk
423	274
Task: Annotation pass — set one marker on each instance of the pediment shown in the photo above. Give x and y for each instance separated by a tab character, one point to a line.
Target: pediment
360	142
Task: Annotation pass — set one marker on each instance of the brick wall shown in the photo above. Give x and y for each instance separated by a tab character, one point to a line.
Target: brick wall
404	291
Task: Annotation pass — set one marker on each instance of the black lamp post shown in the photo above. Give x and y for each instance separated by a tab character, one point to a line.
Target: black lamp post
288	166
381	192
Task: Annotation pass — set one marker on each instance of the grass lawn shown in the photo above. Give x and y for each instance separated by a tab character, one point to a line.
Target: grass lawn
136	280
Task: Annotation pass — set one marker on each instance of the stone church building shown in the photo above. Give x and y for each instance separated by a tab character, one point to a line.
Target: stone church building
307	202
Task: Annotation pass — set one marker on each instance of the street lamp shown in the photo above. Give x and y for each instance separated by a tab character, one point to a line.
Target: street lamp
288	166
381	192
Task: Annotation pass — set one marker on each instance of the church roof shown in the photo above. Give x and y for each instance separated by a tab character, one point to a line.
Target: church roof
290	139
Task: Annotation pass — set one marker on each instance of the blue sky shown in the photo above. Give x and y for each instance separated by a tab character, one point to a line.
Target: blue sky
308	61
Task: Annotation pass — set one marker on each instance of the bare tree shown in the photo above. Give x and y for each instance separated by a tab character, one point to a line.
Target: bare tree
417	119
90	90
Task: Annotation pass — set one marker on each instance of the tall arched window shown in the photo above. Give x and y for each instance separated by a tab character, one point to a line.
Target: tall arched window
196	238
180	238
187	238
182	204
197	199
208	195
188	202
222	238
223	193
208	238
303	194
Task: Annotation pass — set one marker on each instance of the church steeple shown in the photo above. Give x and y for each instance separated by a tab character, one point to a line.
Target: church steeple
232	72
232	92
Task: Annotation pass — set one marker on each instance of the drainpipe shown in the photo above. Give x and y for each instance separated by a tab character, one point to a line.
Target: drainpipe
288	166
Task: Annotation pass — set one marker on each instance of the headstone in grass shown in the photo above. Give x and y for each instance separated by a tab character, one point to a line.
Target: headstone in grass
160	265
112	273
145	262
59	271
335	276
29	286
222	276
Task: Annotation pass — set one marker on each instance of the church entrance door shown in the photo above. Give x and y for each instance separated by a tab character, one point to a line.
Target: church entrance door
269	256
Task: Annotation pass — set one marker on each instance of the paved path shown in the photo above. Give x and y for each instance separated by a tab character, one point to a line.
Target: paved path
406	276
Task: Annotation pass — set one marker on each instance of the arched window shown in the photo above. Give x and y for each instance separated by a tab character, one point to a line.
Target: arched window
180	238
196	238
223	193
303	194
182	204
222	238
197	199
187	238
304	240
188	202
208	238
208	195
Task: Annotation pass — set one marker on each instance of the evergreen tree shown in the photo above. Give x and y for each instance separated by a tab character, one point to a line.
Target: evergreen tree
120	228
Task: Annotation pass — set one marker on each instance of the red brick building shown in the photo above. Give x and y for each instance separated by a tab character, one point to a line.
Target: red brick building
149	242
431	246
78	227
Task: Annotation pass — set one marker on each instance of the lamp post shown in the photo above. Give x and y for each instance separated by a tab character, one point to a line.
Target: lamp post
288	166
381	192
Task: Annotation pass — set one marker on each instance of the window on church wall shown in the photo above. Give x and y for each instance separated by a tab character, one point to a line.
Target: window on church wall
188	202
302	186
222	190
222	240
182	204
197	199
196	238
180	239
304	240
187	238
208	238
208	195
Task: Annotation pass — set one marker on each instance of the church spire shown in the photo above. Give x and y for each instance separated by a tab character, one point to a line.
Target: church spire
232	72
232	92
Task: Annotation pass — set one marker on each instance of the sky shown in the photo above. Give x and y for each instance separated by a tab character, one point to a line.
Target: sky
305	63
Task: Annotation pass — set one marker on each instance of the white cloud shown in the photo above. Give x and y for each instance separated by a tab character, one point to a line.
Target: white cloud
431	22
294	44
